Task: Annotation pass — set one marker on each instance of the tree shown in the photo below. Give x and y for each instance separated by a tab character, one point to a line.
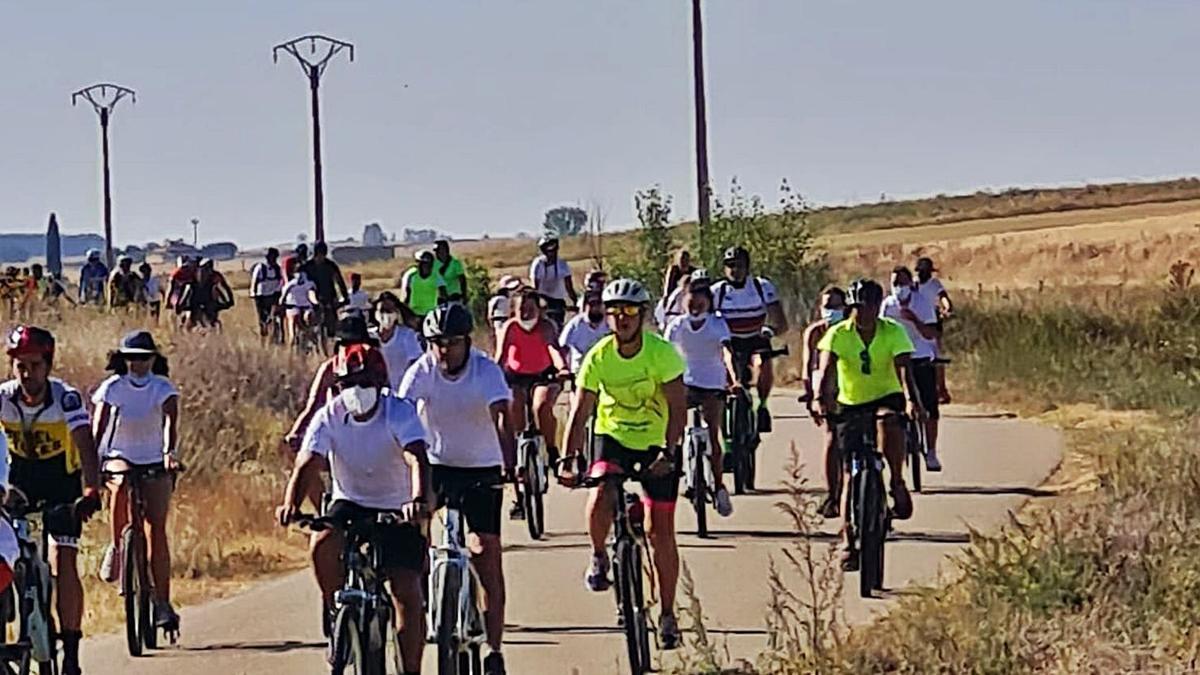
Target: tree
654	241
565	221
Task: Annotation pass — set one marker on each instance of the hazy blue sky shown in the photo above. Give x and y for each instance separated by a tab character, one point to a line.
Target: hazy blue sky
515	106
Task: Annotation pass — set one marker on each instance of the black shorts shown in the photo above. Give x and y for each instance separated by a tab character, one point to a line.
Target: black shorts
404	547
47	480
845	430
664	490
925	376
749	345
527	382
265	305
155	307
481	506
556	310
697	396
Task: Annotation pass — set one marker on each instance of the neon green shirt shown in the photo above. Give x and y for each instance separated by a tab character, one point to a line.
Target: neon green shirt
631	407
854	386
451	275
422	291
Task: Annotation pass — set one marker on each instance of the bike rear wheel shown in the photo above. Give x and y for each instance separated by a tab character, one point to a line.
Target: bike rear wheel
916	452
872	532
628	573
448	646
742	433
535	510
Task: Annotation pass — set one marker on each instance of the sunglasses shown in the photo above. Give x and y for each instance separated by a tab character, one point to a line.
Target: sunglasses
627	310
444	342
866	361
138	357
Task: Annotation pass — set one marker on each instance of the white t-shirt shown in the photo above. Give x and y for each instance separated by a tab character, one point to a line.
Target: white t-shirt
702	350
550	280
670	307
500	308
922	348
399	353
579	336
745	309
153	289
366	459
265	280
295	293
136	431
931	290
360	300
457	412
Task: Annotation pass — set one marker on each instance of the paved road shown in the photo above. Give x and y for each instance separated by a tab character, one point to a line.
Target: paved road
555	626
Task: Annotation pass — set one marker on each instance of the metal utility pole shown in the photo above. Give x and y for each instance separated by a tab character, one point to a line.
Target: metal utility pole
702	184
196	232
104	98
321	51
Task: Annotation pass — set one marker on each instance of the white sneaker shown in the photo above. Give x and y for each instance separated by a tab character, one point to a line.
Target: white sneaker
723	503
931	461
597	574
110	566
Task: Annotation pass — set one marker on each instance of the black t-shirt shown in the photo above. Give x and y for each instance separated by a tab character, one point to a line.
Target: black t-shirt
327	277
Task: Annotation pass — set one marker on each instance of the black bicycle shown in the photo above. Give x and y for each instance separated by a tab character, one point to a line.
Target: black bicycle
363	639
137	584
870	517
741	424
531	459
31	595
627	543
916	447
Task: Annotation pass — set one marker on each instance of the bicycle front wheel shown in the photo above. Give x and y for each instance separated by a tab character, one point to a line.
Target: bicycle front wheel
699	489
916	452
131	590
448	646
628	570
872	533
348	655
534	508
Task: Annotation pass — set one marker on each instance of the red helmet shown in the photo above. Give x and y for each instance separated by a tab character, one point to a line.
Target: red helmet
362	363
25	340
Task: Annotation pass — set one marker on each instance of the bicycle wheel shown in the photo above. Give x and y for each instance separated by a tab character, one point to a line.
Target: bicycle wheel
534	508
131	592
628	570
146	624
699	488
348	654
740	435
871	532
916	452
448	646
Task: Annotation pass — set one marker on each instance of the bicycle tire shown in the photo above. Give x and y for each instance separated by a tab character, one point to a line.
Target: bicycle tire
129	590
633	615
871	533
149	629
740	435
699	491
448	646
347	644
535	510
916	452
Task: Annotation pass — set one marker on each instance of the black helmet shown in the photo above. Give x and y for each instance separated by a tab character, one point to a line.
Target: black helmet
448	321
736	253
864	291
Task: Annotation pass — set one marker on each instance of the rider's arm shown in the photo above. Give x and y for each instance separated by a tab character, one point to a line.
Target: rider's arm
170	409
501	417
582	406
318	393
776	318
809	358
340	282
946	305
727	359
501	342
418	463
556	352
569	283
406	286
676	394
81	436
462	286
827	380
308	468
905	372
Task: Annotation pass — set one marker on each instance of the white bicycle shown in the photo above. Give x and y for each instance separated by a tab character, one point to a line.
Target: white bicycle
32	589
698	479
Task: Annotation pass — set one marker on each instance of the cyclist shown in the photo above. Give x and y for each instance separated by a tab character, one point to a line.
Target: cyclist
358	300
911	310
331	287
702	338
865	367
500	304
92	277
266	287
931	287
678	272
397	341
527	352
374	446
137	425
633	382
298	298
124	285
151	290
421	287
52	450
551	277
749	304
295	261
182	276
584	330
463	400
833	311
205	298
450	269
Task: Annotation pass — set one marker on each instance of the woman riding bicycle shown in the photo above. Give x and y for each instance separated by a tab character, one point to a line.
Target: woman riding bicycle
298	297
703	339
137	425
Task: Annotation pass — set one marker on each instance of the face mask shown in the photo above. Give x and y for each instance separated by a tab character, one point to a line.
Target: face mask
387	319
832	316
139	380
359	400
902	293
527	324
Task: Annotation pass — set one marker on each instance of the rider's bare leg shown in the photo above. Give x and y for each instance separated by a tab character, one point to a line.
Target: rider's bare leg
326	550
410	624
157	497
713	410
544	398
485	557
764	377
665	551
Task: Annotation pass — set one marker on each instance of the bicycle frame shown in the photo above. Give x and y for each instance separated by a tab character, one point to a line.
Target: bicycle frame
869	518
36	634
452	554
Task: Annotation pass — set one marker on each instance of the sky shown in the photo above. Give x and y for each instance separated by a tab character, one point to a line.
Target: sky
477	116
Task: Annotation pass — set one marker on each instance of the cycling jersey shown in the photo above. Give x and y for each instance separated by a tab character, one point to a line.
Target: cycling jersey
579	336
631	407
42	434
135	430
399	353
744	308
265	280
526	352
549	279
457	412
366	459
423	292
296	293
702	350
854	386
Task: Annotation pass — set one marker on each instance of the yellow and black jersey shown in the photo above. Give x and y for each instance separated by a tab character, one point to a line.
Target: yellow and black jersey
43	433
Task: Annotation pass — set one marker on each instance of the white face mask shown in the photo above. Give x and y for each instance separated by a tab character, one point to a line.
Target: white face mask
387	319
139	380
527	324
902	293
360	400
832	316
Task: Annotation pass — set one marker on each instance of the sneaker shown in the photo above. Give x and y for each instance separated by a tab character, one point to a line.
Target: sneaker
723	503
517	512
764	420
902	507
165	616
668	632
849	557
493	664
831	508
932	463
110	566
943	397
597	574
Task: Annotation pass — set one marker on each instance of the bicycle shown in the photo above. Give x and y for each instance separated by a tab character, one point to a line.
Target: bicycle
275	326
627	543
32	590
137	584
306	336
698	479
870	517
534	480
362	635
916	447
741	425
455	623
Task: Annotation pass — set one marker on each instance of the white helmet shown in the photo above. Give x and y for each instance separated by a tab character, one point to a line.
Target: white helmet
93	253
625	291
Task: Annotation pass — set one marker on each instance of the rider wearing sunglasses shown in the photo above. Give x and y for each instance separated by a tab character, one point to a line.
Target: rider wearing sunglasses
865	365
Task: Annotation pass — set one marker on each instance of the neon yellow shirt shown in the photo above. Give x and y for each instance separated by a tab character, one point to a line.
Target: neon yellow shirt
631	407
451	275
423	292
854	386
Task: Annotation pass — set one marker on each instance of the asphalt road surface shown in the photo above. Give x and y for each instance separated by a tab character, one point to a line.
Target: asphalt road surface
992	465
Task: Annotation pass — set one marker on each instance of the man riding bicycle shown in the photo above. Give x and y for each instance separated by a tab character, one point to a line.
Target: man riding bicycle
632	381
463	400
551	278
865	367
325	274
919	317
751	307
92	277
54	462
266	285
374	445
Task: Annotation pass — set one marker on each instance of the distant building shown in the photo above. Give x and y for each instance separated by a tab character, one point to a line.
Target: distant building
351	255
373	235
221	250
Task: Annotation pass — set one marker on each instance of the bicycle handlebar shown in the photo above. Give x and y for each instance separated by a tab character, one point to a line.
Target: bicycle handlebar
316	523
